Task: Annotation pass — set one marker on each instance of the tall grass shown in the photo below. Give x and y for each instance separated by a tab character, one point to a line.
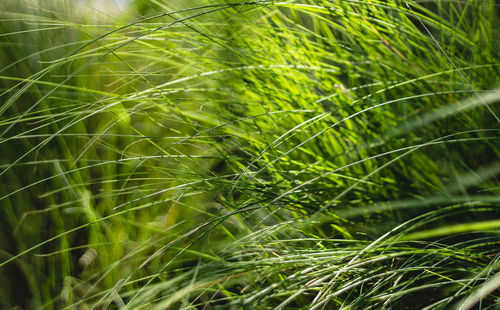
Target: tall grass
250	155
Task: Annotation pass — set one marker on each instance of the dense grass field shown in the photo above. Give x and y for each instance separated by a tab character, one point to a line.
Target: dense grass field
296	154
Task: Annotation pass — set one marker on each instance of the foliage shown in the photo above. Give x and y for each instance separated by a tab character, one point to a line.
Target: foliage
307	154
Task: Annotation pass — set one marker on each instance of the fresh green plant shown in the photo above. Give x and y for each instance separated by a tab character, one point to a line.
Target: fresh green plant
309	154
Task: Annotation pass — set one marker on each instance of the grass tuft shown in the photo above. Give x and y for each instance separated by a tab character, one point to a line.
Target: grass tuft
309	154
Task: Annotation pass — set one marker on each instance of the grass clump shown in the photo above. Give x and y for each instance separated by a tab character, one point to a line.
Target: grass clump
237	155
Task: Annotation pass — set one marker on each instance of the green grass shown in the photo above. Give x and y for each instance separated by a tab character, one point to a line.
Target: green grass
250	155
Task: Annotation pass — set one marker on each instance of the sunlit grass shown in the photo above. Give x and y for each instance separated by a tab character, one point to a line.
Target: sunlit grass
254	155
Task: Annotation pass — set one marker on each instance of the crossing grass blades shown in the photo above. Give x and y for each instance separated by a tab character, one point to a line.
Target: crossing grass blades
250	155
